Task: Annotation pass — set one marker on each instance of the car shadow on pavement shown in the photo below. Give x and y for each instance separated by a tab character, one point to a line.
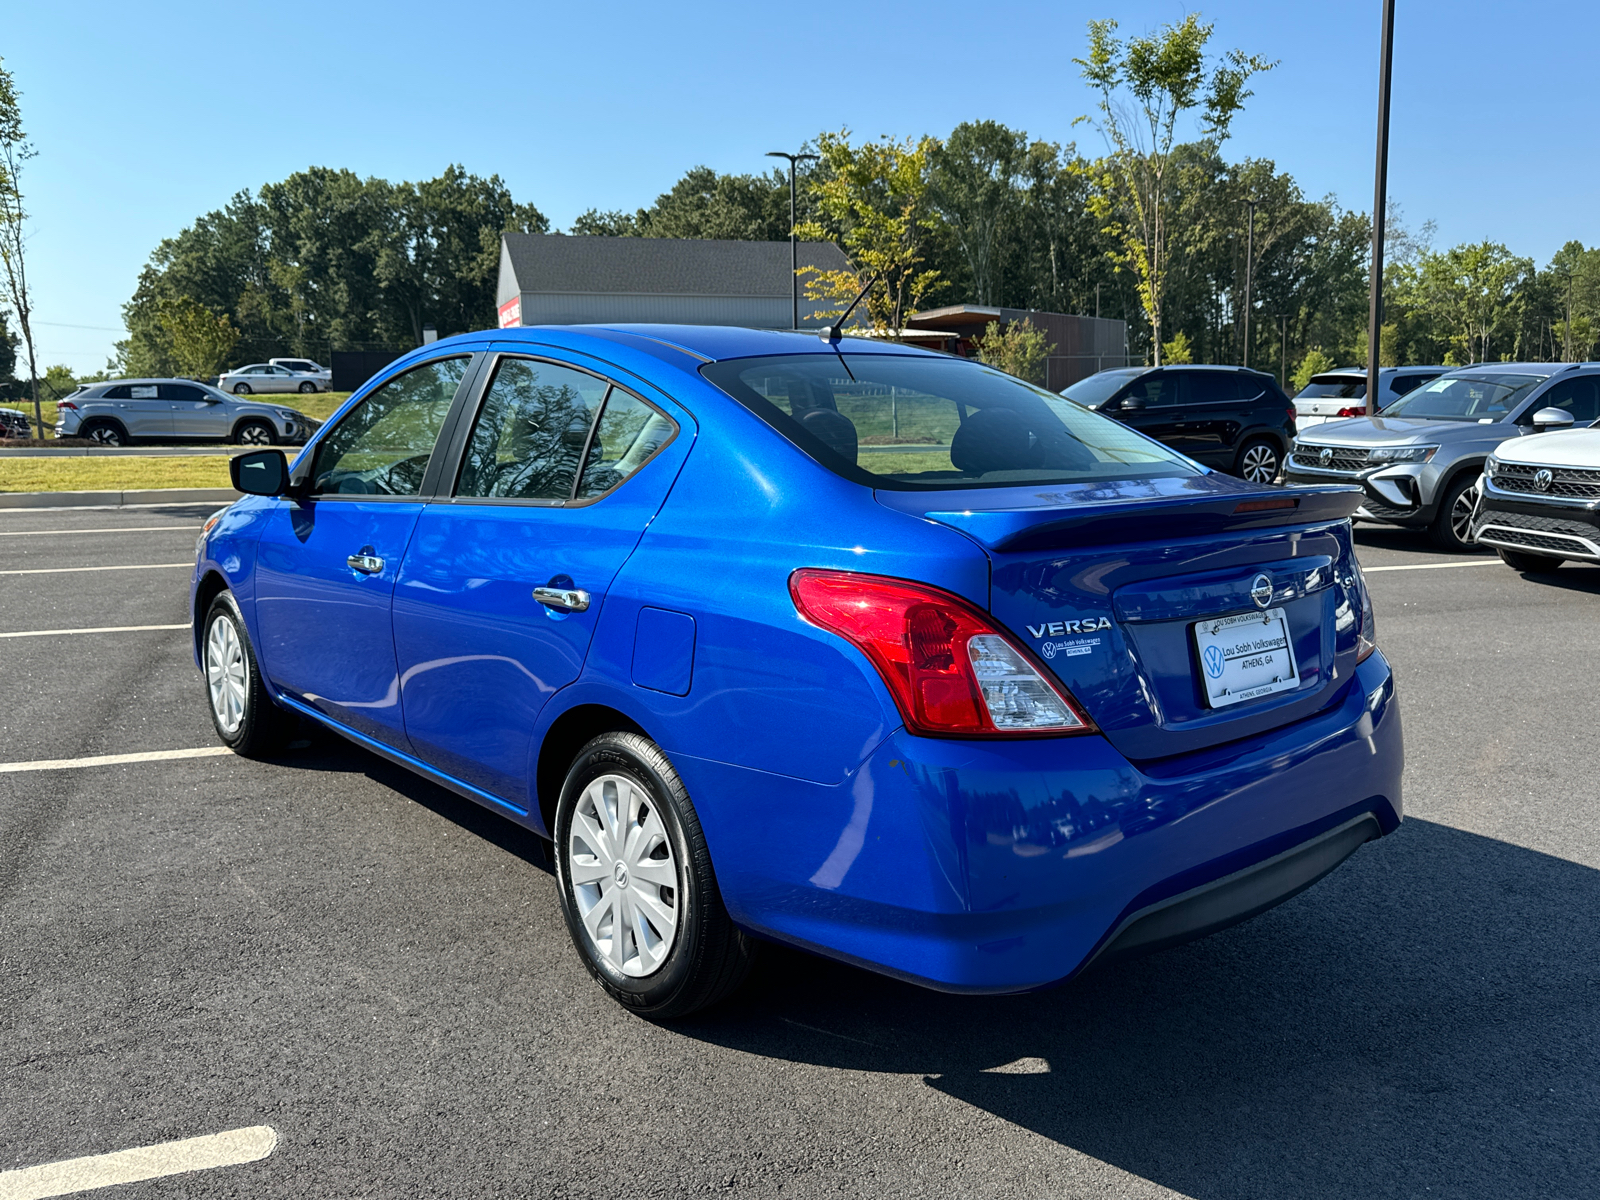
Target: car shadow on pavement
1571	577
1393	537
1428	1017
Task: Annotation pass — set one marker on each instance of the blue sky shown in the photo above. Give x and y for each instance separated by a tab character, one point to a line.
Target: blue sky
146	116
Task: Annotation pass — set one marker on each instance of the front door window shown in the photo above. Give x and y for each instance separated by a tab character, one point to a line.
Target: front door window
381	447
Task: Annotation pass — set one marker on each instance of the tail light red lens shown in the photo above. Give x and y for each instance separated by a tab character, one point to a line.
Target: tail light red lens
951	671
66	404
1367	633
1359	410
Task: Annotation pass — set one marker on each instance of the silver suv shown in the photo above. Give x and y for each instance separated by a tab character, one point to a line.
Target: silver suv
1419	462
175	410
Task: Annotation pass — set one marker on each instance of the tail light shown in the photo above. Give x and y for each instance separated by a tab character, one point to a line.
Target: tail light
951	671
60	404
1367	632
1359	411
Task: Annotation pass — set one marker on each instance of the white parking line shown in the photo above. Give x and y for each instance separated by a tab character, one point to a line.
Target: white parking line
111	760
99	629
69	570
1477	562
73	1175
120	529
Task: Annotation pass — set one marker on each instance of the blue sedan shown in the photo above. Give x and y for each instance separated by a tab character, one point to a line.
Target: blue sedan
872	651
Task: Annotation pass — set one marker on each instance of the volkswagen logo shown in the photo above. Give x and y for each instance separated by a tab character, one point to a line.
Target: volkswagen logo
1542	479
1326	456
1261	590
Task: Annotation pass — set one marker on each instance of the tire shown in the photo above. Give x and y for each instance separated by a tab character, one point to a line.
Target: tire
106	433
255	433
1453	521
656	969
1533	564
307	388
241	389
245	718
1259	461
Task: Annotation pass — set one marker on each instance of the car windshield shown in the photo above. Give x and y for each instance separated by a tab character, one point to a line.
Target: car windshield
911	423
1333	387
1464	398
1097	389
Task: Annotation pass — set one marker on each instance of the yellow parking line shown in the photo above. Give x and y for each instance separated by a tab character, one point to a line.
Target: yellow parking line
110	760
74	1175
97	629
68	570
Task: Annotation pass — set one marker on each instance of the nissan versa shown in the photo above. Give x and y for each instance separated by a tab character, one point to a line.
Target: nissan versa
976	710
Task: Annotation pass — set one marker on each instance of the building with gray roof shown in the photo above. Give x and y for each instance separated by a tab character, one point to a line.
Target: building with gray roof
557	279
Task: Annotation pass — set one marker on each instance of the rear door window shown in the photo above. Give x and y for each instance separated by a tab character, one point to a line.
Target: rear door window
1217	387
181	391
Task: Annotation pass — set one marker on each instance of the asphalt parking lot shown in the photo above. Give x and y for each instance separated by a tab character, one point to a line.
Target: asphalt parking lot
377	970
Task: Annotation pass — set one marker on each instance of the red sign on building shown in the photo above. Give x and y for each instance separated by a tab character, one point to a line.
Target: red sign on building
511	313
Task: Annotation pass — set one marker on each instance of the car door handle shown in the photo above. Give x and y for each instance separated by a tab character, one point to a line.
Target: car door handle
366	562
566	599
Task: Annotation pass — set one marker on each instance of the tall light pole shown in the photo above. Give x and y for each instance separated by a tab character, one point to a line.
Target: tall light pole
1380	206
1566	331
1249	269
794	245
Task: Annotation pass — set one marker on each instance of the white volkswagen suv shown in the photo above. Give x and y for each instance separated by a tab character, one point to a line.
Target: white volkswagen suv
1539	496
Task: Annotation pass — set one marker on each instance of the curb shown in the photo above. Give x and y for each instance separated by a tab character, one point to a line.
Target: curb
127	451
16	500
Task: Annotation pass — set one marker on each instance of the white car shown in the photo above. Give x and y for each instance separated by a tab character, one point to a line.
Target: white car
265	377
1539	496
1342	394
304	366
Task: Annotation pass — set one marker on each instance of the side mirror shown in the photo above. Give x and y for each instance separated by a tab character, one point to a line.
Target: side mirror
262	473
1132	402
1552	418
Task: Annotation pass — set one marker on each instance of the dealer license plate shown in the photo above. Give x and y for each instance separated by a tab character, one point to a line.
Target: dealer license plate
1245	657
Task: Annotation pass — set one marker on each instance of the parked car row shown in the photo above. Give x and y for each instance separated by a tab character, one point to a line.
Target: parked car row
1342	394
123	411
278	375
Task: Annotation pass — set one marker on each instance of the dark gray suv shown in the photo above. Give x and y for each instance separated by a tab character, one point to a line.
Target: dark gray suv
1419	462
176	410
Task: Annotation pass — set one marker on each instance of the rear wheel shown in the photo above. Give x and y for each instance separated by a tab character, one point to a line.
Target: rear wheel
636	883
1259	461
254	433
105	433
244	715
1534	564
241	389
1453	523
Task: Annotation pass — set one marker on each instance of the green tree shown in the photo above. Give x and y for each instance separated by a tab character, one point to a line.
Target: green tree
1166	75
1177	351
1315	362
973	177
201	340
873	199
15	152
1017	348
704	204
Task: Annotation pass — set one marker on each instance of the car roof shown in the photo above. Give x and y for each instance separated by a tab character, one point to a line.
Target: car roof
1515	368
710	343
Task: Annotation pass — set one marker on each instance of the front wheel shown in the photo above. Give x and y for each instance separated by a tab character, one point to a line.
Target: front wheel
241	389
244	715
307	388
636	883
1259	461
254	433
1533	564
1452	526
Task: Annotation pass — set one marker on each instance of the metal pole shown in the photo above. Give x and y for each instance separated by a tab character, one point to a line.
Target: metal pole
794	244
1283	365
1380	207
1566	334
1249	268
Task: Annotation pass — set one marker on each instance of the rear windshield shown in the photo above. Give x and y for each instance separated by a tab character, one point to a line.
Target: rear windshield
1333	387
1464	398
924	423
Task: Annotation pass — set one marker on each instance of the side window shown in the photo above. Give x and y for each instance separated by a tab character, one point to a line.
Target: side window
1406	383
121	392
1580	397
180	391
1218	387
628	436
381	447
530	432
1156	390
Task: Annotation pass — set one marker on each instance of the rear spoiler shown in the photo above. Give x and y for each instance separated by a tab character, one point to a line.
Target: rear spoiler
1150	520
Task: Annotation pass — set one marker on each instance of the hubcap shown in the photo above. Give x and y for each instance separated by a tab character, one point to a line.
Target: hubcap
254	435
1461	516
225	674
1260	464
103	435
624	876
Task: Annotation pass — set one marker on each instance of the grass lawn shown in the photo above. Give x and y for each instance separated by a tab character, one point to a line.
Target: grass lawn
113	473
320	406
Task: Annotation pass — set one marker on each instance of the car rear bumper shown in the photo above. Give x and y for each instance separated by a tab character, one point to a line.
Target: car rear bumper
1002	867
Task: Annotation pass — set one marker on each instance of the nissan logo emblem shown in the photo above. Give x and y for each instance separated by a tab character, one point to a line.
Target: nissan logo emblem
1542	478
1326	456
1261	590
